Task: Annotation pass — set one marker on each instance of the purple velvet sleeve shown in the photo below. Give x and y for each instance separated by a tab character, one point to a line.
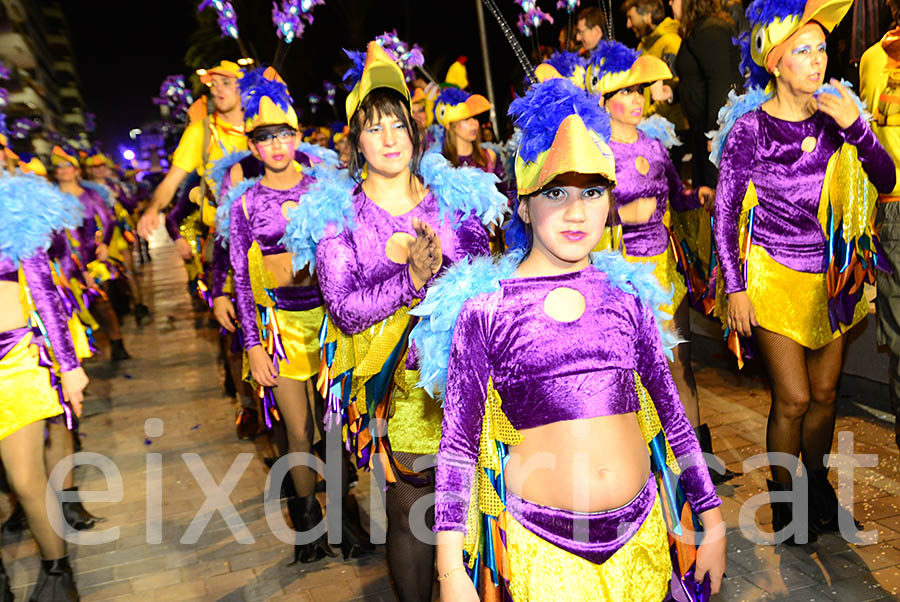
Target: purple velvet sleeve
183	207
657	379
353	303
49	308
734	178
875	160
678	198
128	201
107	219
467	379
61	252
220	267
239	242
472	238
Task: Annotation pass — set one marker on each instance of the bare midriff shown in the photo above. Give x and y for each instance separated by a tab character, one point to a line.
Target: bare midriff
12	316
585	465
638	211
279	265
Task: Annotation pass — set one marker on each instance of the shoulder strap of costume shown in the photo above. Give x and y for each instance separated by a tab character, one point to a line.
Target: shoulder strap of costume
661	129
639	280
220	168
31	210
328	203
433	334
104	192
223	213
465	189
736	107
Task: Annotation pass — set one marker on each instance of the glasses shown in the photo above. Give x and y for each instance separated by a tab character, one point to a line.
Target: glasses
266	138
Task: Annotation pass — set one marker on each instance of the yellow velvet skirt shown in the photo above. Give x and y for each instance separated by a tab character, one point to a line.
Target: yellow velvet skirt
639	572
79	338
300	337
666	271
415	420
118	246
26	395
792	303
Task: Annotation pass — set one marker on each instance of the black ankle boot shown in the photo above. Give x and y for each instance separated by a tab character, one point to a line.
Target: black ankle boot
355	540
823	504
6	594
76	515
55	582
117	351
717	470
141	311
16	523
306	513
782	514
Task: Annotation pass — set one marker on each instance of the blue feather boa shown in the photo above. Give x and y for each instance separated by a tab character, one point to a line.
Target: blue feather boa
32	209
471	277
223	211
104	192
220	167
739	105
329	203
326	155
661	129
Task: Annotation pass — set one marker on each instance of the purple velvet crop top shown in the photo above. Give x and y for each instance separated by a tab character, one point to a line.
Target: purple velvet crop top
644	170
361	285
95	209
547	371
264	223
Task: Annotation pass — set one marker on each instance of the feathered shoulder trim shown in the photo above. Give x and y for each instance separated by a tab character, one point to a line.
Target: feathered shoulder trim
467	190
472	277
223	212
31	210
661	129
221	167
326	206
432	336
320	154
105	193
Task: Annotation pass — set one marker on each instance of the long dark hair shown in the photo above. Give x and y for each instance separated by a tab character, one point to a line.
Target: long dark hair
449	151
695	11
378	103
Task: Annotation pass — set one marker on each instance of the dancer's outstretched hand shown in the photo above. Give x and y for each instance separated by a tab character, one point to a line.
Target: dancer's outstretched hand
148	223
223	310
425	256
741	317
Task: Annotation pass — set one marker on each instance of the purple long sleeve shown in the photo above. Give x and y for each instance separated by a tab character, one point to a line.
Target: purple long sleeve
221	263
49	308
361	286
180	211
239	242
61	252
786	162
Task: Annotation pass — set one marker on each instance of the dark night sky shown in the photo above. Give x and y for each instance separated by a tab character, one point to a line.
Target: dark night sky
124	55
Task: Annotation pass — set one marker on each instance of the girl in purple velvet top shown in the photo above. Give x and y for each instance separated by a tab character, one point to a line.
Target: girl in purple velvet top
457	111
29	214
554	354
91	239
792	230
648	189
403	215
280	312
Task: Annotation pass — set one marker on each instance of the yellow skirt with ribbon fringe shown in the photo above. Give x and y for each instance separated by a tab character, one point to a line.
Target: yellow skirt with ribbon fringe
26	395
666	272
300	338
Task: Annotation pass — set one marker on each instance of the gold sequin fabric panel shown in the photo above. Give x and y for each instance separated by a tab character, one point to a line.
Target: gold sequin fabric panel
26	395
300	338
792	303
639	572
415	423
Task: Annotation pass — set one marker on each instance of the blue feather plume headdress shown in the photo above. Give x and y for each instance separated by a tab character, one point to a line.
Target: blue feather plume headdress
540	112
612	57
255	85
566	63
451	95
354	73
